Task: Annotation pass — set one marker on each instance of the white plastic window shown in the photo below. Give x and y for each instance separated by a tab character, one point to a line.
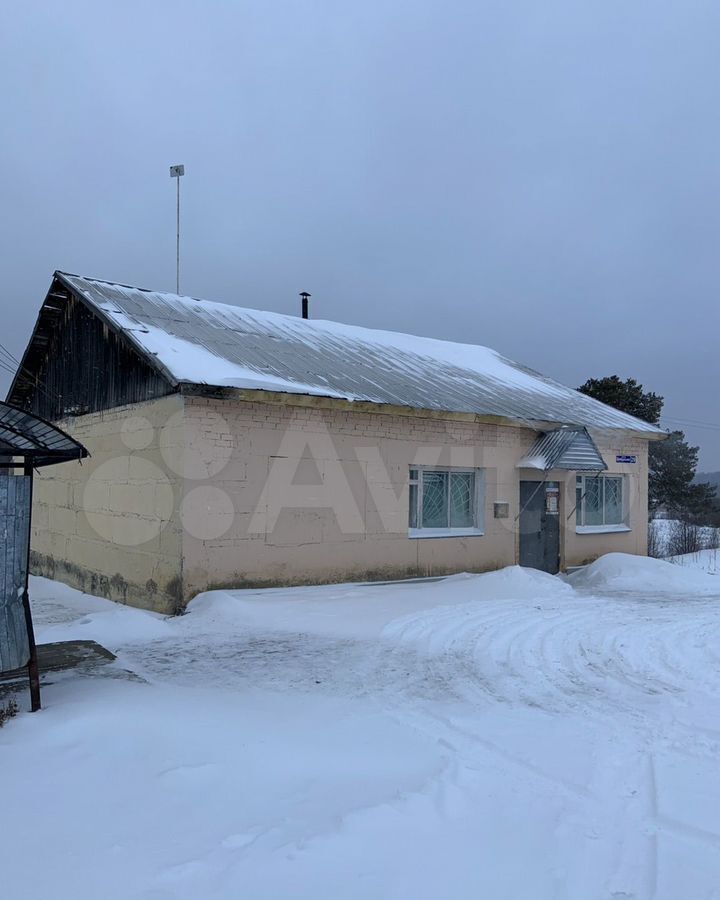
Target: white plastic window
445	500
600	500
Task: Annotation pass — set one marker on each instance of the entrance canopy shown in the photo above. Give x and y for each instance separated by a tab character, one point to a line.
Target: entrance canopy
35	440
564	448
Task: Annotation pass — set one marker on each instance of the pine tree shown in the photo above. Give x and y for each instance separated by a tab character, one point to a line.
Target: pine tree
672	462
628	396
672	470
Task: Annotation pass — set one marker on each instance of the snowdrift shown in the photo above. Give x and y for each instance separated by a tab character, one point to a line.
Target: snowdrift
639	574
516	583
703	561
363	610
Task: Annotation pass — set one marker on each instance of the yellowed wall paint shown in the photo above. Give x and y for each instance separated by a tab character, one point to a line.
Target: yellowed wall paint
375	453
186	493
110	525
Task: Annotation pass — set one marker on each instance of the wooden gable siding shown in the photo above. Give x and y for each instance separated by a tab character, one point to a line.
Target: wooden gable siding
86	368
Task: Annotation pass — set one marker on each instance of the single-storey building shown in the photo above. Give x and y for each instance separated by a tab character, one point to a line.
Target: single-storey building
236	447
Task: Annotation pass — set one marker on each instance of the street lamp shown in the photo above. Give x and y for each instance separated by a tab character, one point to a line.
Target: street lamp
177	172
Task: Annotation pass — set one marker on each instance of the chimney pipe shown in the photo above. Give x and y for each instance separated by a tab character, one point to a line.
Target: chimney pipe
305	296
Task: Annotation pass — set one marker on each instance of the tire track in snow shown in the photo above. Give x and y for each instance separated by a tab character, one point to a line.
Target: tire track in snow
575	655
625	663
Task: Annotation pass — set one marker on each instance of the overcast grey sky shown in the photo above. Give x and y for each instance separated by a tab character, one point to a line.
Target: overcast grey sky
539	177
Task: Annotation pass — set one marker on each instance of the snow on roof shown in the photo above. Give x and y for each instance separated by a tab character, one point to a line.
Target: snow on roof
203	342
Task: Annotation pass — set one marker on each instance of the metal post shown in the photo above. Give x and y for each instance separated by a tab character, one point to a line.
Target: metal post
177	263
33	668
177	172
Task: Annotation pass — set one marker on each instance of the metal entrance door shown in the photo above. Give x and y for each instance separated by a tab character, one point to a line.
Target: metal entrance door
540	525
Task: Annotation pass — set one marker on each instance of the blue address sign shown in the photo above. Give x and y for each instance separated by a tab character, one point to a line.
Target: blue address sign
625	459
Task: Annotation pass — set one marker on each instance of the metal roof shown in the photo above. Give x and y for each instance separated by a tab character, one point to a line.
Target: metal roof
26	435
202	342
564	448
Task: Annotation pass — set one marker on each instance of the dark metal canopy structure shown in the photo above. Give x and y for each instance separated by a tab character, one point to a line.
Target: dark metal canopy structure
26	442
36	441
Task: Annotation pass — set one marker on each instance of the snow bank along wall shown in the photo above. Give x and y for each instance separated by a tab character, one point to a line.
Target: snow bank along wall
188	492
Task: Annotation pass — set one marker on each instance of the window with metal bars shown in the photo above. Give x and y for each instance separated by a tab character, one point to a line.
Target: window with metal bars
445	501
599	500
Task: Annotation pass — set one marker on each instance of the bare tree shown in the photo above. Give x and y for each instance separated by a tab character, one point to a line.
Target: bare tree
655	543
684	538
713	539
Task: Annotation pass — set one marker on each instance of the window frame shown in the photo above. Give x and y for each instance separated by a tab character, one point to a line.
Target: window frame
580	512
477	529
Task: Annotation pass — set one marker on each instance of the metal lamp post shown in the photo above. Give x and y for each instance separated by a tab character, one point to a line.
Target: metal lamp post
177	172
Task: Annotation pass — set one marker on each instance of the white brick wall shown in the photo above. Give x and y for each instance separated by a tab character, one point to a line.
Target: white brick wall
311	545
175	498
110	525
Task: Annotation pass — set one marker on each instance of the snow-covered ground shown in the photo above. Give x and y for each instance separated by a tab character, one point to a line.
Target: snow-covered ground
661	531
510	736
702	561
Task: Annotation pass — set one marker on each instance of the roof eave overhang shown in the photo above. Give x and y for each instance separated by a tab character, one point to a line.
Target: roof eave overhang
320	401
286	398
654	435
